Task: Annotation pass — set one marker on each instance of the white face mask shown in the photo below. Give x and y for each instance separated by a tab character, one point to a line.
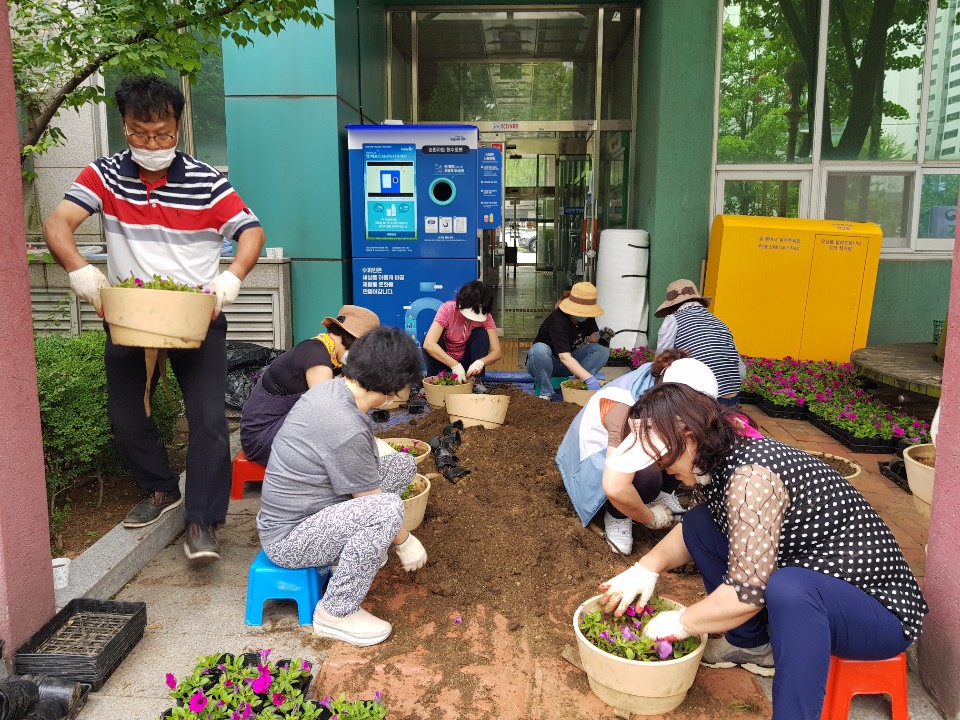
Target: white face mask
344	358
390	399
153	160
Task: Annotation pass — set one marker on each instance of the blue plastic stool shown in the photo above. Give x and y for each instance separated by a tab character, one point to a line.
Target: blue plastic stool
267	581
554	381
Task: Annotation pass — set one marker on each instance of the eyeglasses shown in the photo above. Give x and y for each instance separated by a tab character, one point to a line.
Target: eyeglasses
139	139
674	294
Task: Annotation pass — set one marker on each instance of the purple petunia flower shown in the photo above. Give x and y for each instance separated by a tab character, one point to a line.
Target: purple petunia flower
664	648
326	701
627	634
305	666
264	654
377	695
171	681
605	635
631	612
279	699
458	620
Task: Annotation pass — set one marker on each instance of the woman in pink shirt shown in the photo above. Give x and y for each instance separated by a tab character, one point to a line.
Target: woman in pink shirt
463	337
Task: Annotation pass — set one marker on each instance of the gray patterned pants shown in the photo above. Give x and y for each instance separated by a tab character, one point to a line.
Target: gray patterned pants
354	534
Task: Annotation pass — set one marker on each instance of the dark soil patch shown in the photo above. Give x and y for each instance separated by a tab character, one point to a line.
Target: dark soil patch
841	465
87	522
505	538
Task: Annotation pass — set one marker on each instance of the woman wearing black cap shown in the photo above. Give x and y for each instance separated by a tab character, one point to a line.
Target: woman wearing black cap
309	363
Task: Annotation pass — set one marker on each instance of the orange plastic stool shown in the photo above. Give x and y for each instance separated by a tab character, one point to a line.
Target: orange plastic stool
244	471
865	677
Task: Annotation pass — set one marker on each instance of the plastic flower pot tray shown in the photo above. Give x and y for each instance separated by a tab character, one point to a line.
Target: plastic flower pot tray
788	412
85	641
896	471
860	445
747	397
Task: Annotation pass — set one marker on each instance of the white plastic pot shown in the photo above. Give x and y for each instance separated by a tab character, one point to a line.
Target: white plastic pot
415	507
643	688
920	475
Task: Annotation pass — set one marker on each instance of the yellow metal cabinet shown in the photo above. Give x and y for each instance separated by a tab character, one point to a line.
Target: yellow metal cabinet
785	286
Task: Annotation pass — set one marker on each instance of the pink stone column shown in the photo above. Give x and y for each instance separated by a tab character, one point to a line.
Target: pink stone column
939	655
26	578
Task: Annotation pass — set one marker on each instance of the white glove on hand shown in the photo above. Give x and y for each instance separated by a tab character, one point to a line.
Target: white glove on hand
662	516
412	554
634	582
667	626
86	283
226	286
459	371
475	368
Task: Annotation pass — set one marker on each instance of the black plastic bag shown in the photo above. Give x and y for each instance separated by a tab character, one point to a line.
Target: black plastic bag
245	353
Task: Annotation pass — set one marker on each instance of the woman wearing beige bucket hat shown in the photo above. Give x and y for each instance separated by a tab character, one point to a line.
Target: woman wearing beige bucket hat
688	325
309	363
566	343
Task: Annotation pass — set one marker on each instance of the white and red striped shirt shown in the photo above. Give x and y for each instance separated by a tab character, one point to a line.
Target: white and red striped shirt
172	228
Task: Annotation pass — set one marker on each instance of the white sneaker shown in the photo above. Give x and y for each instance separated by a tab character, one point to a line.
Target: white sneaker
619	533
672	503
359	628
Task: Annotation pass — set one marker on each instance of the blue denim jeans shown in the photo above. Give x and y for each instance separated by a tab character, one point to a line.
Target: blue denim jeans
542	364
811	616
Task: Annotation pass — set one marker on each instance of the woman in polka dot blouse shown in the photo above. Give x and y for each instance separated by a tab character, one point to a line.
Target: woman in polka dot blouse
797	564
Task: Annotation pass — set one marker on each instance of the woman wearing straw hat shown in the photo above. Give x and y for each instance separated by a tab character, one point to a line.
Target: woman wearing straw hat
566	343
688	325
463	337
309	363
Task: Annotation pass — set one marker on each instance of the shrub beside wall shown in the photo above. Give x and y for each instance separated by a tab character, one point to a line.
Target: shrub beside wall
77	438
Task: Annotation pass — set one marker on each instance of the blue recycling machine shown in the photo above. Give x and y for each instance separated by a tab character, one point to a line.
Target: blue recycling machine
418	196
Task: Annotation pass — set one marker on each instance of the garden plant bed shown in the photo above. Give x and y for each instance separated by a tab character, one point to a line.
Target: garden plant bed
509	558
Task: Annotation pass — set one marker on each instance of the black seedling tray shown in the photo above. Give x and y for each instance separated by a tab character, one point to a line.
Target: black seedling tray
84	642
797	412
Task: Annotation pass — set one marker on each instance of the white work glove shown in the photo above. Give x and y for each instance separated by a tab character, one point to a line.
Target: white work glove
476	367
86	283
667	626
662	516
226	286
412	554
634	582
459	372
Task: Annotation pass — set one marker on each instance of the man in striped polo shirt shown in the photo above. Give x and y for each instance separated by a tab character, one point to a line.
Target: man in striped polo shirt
164	213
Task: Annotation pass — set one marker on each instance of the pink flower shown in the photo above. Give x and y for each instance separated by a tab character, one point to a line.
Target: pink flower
198	701
458	620
627	634
262	682
630	611
279	699
264	654
305	666
171	681
800	400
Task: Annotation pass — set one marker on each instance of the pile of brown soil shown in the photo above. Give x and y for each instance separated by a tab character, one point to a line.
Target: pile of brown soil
506	537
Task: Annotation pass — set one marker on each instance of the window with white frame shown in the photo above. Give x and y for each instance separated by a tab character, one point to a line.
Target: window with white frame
810	95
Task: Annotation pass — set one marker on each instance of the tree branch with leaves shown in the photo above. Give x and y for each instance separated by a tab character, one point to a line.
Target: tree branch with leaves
58	46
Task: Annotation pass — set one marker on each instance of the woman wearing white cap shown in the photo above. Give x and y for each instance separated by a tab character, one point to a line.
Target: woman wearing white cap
463	337
309	363
600	427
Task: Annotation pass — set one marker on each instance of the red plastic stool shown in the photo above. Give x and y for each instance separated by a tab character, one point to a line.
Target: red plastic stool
244	471
866	677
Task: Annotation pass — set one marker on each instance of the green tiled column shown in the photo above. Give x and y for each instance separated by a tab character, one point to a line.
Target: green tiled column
288	98
678	41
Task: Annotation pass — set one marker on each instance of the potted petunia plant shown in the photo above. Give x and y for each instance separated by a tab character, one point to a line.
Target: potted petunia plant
628	670
236	687
437	387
